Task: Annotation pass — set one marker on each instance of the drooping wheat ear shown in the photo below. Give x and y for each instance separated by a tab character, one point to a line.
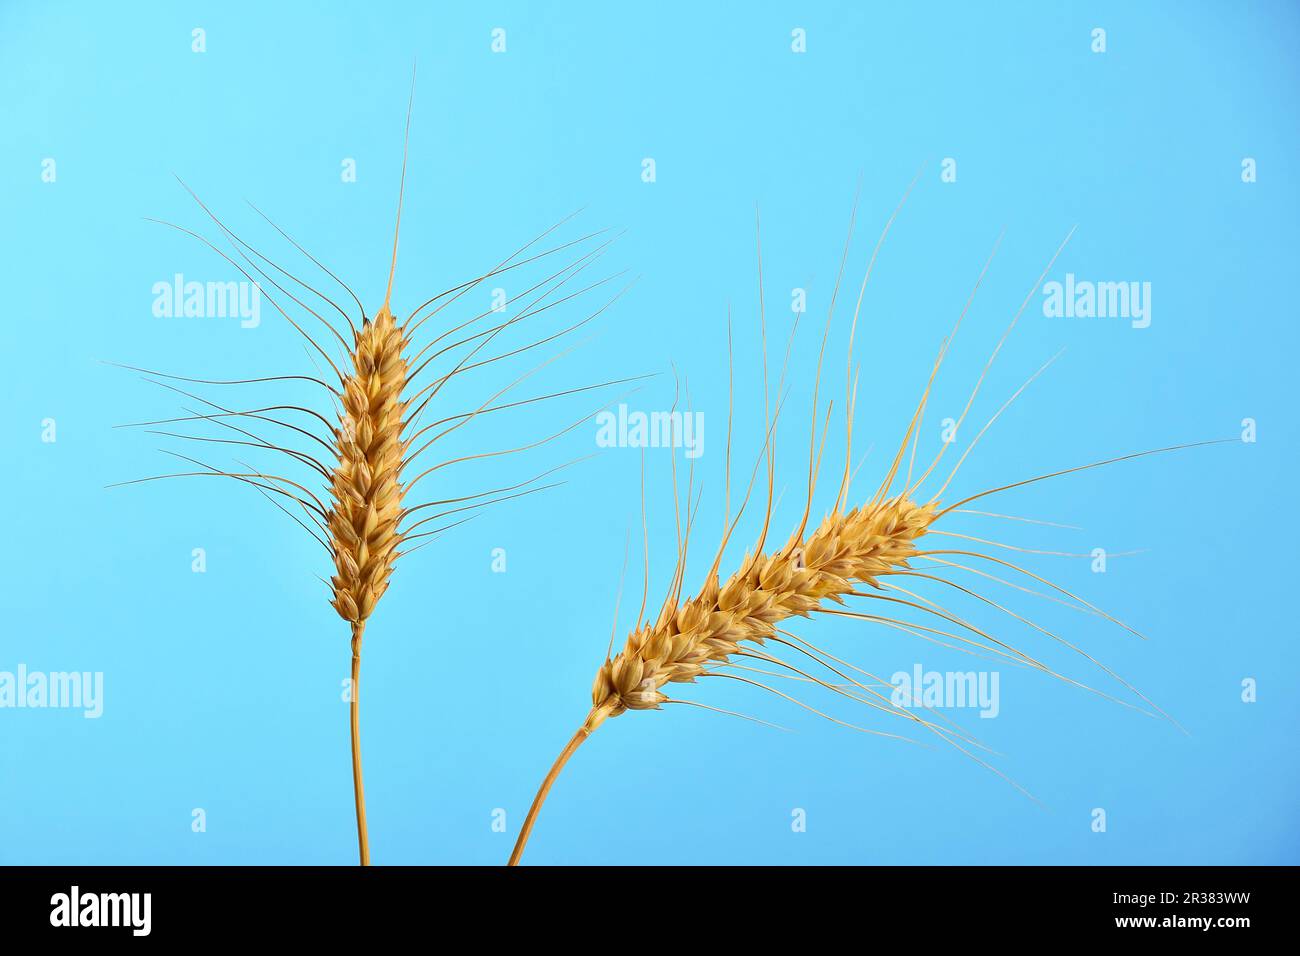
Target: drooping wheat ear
854	553
860	546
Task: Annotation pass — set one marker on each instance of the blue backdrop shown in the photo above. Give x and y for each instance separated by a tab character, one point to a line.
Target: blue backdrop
1169	141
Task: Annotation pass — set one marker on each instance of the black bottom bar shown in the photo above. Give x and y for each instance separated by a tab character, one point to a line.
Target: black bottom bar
644	906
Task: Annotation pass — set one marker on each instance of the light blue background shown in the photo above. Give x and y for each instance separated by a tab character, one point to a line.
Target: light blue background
223	688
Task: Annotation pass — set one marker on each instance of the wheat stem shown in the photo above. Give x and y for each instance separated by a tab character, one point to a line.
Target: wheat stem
363	838
574	743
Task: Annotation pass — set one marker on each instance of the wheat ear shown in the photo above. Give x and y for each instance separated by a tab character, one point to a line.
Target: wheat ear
361	518
366	500
854	546
854	552
376	394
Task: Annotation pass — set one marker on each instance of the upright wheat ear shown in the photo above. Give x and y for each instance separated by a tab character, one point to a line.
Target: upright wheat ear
380	377
367	496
